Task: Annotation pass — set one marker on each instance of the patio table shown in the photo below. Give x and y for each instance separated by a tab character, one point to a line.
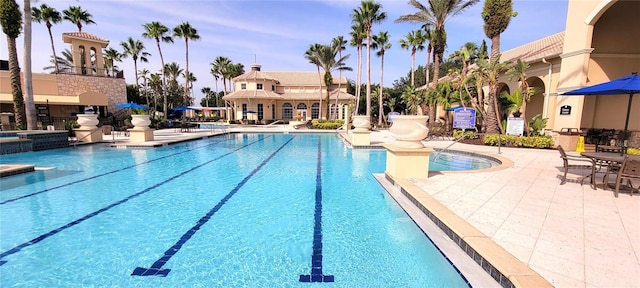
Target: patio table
612	160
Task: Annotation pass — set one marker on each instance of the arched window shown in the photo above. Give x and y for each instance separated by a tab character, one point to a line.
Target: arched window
315	110
287	111
301	106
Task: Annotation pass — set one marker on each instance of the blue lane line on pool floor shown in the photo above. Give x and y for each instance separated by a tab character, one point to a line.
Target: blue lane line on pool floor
104	174
156	267
316	258
86	217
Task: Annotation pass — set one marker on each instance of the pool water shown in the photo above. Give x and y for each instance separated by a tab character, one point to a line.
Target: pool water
242	210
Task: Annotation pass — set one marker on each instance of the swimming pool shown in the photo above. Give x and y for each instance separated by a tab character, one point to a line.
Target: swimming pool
243	210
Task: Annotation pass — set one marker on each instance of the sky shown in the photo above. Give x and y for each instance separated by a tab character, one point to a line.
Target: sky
274	34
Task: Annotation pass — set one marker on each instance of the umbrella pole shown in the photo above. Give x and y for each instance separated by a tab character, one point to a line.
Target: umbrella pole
626	124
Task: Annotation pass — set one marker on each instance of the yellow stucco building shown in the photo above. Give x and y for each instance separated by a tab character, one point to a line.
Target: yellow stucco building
58	97
600	43
264	96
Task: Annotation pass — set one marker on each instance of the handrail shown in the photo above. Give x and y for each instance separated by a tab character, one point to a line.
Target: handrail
275	122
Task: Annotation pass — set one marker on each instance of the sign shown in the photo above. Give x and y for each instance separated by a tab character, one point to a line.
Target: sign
515	126
464	118
565	110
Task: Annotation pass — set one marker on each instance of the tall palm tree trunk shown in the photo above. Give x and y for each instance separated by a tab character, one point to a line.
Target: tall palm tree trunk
368	112
358	80
30	107
164	80
16	86
380	95
186	72
53	47
436	75
413	65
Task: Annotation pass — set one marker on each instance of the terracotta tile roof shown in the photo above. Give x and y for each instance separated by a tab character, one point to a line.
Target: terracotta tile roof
84	35
264	94
547	47
288	78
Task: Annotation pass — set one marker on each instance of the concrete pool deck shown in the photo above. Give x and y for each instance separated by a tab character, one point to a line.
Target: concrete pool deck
571	235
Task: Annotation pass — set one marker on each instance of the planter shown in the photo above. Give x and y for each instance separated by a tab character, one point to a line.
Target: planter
362	123
409	130
140	122
87	121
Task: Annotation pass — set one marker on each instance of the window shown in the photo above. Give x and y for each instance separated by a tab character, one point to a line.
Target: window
301	106
243	86
287	111
273	87
244	111
259	86
260	112
315	111
273	111
334	111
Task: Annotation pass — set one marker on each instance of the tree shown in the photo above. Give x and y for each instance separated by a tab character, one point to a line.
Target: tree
427	36
519	71
156	83
436	15
77	16
324	56
144	74
221	65
157	31
381	41
490	71
357	36
207	94
30	106
111	56
412	99
312	54
11	20
186	31
49	16
496	15
368	14
136	50
414	41
339	43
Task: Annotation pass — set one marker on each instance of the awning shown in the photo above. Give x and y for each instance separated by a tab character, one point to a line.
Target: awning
84	99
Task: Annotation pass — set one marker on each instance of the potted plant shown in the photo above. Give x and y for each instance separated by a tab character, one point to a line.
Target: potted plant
139	119
409	130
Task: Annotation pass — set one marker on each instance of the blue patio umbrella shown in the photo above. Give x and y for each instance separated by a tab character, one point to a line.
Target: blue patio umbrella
453	108
629	84
182	108
130	106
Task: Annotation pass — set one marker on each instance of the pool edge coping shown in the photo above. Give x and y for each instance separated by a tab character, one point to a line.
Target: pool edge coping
502	266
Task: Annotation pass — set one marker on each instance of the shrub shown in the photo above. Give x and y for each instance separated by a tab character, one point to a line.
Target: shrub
518	141
326	124
457	134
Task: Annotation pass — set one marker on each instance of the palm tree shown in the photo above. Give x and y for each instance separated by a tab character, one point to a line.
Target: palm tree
339	43
519	70
221	65
144	74
30	106
186	31
411	98
368	14
173	71
135	49
157	31
357	36
496	15
436	15
312	54
216	77
111	56
490	71
49	16
11	20
77	16
207	93
414	41
427	36
155	81
381	41
324	56
235	70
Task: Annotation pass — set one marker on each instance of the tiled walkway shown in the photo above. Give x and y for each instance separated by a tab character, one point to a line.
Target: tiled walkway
570	234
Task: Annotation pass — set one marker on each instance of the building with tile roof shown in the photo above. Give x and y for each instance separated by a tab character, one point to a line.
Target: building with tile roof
266	96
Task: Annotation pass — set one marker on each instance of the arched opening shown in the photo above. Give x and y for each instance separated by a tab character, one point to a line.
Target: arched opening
535	105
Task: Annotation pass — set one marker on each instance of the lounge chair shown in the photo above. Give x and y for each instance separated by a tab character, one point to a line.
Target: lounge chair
585	163
629	170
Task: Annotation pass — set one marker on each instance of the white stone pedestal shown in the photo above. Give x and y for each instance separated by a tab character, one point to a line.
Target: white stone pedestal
88	135
140	135
361	138
407	162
